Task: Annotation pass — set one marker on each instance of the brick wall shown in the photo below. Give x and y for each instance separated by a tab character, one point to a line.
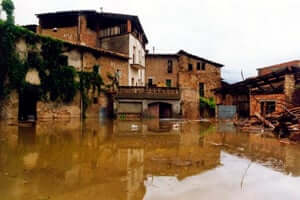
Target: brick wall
67	33
87	36
256	99
157	69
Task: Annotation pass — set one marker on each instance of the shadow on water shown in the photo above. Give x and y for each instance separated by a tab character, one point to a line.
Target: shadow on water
132	160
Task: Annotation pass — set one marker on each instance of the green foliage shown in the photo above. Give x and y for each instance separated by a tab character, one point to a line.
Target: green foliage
207	103
58	80
88	81
9	7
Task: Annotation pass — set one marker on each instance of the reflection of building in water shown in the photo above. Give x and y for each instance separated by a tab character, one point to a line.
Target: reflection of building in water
268	151
132	161
96	162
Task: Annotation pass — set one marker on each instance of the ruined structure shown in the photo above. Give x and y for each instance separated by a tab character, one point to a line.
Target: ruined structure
271	91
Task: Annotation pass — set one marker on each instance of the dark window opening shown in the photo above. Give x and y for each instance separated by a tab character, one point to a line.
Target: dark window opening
267	107
63	60
150	82
201	89
169	83
95	100
190	67
170	66
203	66
198	66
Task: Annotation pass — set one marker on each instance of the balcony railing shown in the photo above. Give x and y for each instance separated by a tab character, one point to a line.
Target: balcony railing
164	93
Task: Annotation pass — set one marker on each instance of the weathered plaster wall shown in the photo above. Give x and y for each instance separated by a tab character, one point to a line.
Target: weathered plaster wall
76	58
116	43
110	65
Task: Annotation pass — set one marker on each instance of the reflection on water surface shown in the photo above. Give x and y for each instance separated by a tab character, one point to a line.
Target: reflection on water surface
149	160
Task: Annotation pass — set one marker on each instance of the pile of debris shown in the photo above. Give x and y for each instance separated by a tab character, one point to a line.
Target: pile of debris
283	125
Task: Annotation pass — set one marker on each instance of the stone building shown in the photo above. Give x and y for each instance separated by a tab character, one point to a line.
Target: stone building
118	33
82	58
192	75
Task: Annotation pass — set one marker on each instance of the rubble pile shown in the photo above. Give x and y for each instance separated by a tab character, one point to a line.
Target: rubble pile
283	125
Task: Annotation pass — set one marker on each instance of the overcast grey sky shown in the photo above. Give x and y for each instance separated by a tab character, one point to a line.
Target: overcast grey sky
241	34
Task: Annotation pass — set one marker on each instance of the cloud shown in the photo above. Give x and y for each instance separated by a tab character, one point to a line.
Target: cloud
240	34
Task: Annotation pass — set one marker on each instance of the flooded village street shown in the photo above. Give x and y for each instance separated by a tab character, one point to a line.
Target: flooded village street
150	160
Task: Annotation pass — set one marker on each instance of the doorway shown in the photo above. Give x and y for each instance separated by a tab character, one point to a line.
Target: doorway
28	104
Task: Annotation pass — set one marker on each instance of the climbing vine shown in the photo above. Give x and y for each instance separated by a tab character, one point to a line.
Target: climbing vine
89	80
57	81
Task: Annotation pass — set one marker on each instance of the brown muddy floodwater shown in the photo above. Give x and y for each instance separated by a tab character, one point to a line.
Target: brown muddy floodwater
150	160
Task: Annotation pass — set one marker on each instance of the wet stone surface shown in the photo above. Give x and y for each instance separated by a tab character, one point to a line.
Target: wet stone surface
159	160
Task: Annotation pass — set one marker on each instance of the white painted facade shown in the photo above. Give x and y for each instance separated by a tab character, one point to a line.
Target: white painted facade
136	77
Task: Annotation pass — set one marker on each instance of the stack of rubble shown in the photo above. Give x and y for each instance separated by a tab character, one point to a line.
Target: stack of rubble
289	124
283	125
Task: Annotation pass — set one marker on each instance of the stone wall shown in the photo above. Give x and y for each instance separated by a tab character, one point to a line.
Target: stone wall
9	108
157	69
189	84
289	86
57	110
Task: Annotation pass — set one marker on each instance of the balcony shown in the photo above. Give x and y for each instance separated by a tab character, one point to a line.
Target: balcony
137	66
156	93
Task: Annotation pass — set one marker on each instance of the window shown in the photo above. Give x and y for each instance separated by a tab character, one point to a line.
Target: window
198	66
201	89
170	66
133	55
190	67
267	107
169	83
203	66
150	82
95	100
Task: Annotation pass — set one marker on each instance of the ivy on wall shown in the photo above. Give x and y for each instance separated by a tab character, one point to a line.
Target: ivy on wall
58	81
